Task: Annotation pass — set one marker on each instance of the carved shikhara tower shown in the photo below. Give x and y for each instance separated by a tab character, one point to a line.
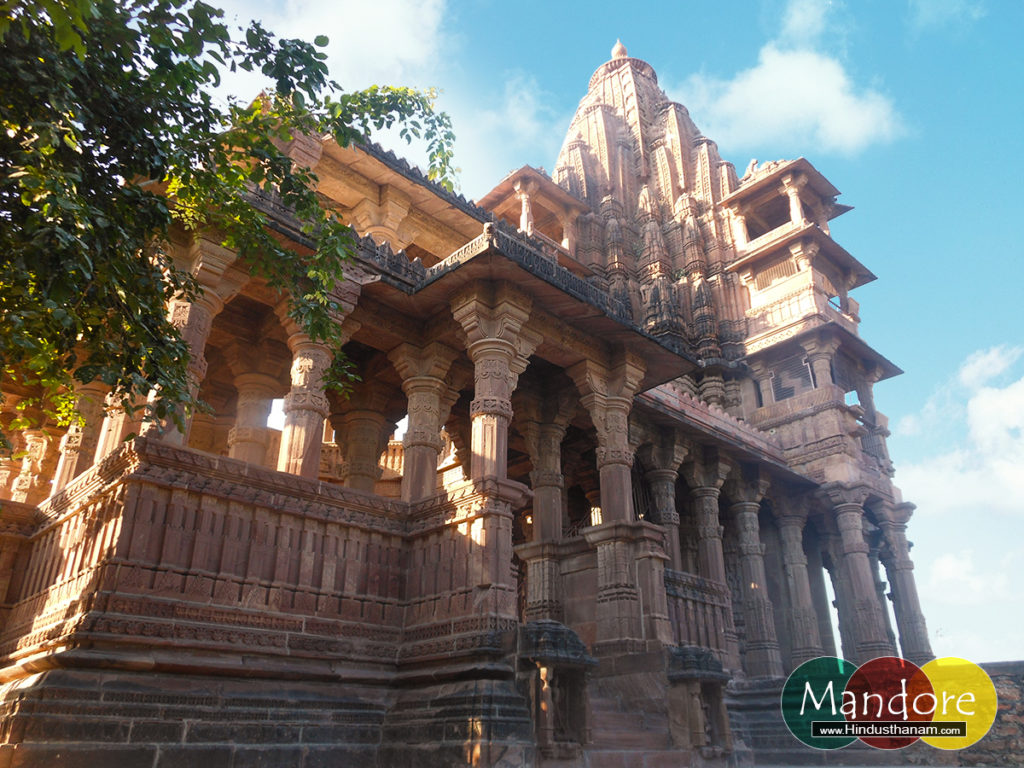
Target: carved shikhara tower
641	438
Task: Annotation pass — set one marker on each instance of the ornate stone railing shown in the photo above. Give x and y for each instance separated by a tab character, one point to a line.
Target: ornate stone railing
771	235
712	419
803	404
160	554
698	610
806	301
170	549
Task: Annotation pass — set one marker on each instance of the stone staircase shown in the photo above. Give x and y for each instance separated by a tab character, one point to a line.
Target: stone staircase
756	719
624	736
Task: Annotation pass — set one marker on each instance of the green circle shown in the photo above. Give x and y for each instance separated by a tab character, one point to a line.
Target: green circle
810	692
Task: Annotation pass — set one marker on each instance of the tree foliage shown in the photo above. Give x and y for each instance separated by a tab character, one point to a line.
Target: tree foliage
109	137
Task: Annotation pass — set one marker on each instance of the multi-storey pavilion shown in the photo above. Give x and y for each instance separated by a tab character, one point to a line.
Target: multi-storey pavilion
641	442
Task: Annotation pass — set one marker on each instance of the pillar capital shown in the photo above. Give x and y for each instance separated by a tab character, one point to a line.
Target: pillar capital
305	407
607	394
747	483
666	451
843	495
487	311
429	362
706	470
820	346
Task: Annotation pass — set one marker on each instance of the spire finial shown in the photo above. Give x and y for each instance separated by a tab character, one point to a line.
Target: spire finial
619	51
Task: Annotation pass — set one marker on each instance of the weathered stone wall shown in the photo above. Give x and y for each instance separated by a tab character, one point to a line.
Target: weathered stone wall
170	599
1004	744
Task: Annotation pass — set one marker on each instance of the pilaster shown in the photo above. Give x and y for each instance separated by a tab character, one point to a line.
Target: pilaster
78	446
499	346
607	394
305	408
791	517
705	475
763	658
423	371
247	439
900	570
867	623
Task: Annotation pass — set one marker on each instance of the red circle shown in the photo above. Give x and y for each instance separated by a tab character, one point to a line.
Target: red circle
884	690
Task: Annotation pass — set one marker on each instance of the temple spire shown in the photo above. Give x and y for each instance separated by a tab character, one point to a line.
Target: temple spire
619	50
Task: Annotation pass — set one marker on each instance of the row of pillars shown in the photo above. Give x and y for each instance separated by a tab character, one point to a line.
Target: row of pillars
499	345
807	607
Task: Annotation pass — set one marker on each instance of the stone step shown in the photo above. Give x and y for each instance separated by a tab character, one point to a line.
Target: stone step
626	738
608	720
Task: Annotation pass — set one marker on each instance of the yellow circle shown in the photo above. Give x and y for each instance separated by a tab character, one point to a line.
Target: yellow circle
963	693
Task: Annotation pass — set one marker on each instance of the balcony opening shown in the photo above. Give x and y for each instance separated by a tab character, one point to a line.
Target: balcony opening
771	215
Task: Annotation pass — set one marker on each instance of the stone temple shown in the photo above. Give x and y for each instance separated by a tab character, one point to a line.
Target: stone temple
642	471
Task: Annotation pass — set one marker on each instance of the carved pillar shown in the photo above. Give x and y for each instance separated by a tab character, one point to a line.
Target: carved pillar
117	425
193	319
32	485
874	562
663	491
663	456
763	658
607	394
305	408
791	186
362	428
705	476
423	372
78	446
820	352
900	571
247	439
500	348
868	623
804	618
819	597
763	380
523	190
542	418
739	229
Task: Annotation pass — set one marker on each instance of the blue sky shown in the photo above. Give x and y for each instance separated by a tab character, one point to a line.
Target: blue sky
913	108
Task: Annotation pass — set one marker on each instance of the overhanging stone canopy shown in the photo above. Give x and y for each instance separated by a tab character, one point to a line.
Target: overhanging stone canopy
639	435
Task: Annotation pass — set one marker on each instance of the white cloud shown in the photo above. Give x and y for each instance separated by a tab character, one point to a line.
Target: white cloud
966	598
925	14
956	578
985	473
804	20
406	42
987	364
982	472
518	126
797	95
969	490
383	42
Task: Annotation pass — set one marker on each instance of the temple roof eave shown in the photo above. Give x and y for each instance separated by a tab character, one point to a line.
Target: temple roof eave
546	188
575	302
829	248
759	182
849	340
